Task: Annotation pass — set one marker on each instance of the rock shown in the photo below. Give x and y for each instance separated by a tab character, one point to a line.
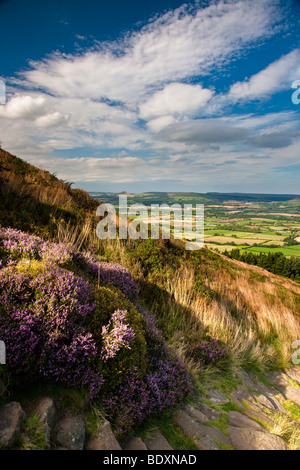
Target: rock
263	400
187	425
247	382
278	406
293	374
217	397
279	380
12	417
240	394
215	434
206	443
196	414
209	412
46	412
196	430
105	439
241	421
252	439
257	388
156	441
71	433
134	443
257	413
293	394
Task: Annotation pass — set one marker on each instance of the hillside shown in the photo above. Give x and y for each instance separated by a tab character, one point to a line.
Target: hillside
36	200
140	332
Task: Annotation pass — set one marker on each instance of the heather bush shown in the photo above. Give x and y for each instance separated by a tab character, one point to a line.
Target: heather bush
209	351
42	324
165	382
116	334
110	300
115	274
66	318
16	245
56	325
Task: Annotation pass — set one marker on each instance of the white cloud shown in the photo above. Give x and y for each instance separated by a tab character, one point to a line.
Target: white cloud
182	43
23	107
278	76
160	123
97	98
175	99
51	120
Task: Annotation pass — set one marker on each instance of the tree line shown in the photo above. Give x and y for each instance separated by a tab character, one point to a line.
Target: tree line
276	262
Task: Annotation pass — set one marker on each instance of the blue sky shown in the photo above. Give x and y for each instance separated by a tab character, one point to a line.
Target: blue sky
154	95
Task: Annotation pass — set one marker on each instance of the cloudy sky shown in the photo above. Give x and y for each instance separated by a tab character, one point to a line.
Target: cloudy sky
154	95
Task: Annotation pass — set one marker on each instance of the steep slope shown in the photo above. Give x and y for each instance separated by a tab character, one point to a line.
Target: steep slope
36	200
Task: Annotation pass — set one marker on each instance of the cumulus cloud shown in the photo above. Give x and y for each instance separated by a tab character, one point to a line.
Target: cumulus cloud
23	107
160	123
51	120
175	99
95	169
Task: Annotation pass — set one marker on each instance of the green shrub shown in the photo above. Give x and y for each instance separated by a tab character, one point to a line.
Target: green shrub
108	300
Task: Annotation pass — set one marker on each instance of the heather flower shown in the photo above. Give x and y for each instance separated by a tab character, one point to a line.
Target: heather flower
19	245
113	273
42	324
164	384
116	334
209	351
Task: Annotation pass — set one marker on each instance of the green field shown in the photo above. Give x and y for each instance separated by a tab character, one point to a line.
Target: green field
286	250
257	223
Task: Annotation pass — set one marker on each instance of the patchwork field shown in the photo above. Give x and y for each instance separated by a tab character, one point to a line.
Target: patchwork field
255	223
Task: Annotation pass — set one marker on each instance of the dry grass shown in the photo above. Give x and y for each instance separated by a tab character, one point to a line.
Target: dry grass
256	321
75	236
286	428
253	312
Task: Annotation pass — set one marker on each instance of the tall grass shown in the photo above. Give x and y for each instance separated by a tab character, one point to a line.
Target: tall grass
255	316
77	236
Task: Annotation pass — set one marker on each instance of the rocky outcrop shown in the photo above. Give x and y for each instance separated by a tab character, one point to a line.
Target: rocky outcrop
71	433
208	422
156	441
195	430
134	443
46	412
105	439
12	416
252	439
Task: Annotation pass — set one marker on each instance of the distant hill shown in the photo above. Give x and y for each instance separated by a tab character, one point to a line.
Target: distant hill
252	197
210	198
35	200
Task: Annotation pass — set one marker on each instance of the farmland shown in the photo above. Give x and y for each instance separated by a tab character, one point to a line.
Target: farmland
251	222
